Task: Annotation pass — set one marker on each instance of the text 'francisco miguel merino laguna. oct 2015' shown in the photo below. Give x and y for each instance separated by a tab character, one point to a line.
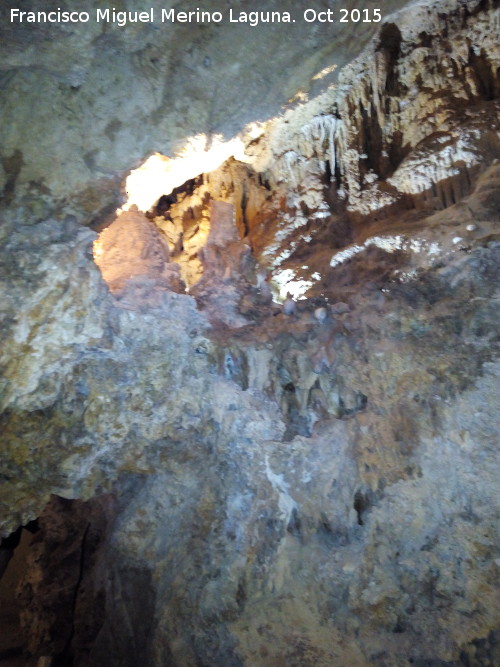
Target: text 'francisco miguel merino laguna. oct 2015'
166	16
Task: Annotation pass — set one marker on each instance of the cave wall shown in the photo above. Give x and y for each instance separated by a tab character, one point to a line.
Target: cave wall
106	84
406	132
222	483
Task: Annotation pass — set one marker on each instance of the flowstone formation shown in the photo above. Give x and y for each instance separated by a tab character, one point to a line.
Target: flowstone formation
107	84
221	478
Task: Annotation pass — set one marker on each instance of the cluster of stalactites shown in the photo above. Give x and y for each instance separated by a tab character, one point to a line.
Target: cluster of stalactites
387	103
316	142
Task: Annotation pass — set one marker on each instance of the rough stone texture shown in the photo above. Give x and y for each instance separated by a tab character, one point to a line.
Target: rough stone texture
397	139
409	126
130	250
62	555
241	486
121	93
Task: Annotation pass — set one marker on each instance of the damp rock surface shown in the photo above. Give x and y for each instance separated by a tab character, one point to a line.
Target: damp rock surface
220	480
83	103
289	491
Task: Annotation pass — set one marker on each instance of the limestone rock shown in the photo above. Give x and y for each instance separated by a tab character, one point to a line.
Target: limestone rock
131	246
216	483
76	98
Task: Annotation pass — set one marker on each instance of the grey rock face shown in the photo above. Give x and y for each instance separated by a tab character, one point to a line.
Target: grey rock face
120	93
218	483
294	494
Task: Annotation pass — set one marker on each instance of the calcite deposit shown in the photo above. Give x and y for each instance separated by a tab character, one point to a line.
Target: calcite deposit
257	422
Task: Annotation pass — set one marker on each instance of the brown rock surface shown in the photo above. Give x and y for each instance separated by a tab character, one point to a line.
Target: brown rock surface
225	484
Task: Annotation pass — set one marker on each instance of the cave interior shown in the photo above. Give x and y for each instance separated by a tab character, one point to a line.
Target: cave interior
249	357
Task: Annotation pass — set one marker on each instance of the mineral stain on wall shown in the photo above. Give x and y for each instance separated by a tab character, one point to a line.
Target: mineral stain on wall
256	416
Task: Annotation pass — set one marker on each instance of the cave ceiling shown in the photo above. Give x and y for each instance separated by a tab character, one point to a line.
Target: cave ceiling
121	93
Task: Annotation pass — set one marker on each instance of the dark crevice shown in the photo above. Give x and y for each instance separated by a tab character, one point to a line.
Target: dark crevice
10	543
165	202
397	152
328	176
484	75
390	43
244	202
294	525
14	550
371	138
12	166
264	182
13	652
241	593
66	658
360	404
364	500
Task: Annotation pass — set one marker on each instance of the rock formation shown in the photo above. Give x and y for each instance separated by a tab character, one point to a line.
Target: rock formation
217	482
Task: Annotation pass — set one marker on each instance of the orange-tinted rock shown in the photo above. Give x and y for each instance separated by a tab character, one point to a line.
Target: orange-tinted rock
131	246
